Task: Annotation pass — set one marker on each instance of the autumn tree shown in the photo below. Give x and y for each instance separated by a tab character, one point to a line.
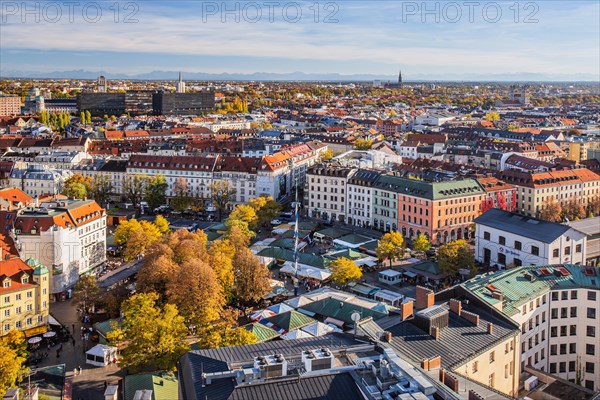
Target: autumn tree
136	237
573	210
390	246
221	254
244	213
492	116
266	208
13	353
421	243
113	299
221	194
134	187
156	191
162	224
251	278
86	294
153	337
326	155
551	211
363	144
197	293
101	189
181	199
344	271
454	256
157	271
77	186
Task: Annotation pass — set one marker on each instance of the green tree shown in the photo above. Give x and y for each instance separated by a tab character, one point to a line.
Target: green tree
75	190
134	187
454	256
266	208
82	118
86	294
344	271
181	199
156	191
154	337
390	246
421	243
88	117
221	194
13	353
101	189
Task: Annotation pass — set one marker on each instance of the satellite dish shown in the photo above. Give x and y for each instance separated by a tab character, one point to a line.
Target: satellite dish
355	317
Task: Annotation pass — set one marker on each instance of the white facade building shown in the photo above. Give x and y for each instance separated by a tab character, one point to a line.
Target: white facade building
504	238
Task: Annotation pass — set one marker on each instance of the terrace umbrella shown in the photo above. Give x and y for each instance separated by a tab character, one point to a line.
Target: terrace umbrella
34	340
49	334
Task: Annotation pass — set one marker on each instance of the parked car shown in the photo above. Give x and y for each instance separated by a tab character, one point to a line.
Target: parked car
276	222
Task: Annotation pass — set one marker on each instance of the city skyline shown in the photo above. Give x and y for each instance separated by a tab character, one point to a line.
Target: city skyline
559	46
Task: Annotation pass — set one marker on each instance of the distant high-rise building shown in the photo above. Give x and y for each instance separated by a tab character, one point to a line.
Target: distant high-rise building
101	84
180	84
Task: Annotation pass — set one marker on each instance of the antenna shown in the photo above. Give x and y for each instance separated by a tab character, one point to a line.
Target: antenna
296	235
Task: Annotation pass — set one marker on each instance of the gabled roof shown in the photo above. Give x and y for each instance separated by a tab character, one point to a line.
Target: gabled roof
334	308
262	332
533	228
290	321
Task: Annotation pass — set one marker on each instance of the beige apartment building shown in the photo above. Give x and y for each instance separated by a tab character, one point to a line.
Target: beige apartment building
534	190
10	105
24	296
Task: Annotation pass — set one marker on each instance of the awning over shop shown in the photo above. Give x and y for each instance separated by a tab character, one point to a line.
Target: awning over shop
410	274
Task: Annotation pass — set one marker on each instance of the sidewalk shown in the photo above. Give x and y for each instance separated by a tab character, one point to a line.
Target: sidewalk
89	385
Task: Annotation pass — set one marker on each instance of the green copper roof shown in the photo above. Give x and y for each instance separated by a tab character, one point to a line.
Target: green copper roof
429	190
263	333
38	268
331	307
164	385
290	321
518	289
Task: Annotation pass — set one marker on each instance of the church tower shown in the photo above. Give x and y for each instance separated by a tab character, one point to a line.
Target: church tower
400	79
180	84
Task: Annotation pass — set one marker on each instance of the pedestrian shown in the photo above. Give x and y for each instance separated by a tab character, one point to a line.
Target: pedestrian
73	342
73	328
57	353
80	369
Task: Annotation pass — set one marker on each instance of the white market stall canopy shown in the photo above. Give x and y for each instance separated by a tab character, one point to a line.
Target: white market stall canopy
100	355
305	271
387	296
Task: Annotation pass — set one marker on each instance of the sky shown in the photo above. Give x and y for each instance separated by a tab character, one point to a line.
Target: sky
459	39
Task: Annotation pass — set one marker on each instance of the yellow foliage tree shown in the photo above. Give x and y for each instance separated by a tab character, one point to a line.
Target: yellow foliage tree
344	271
390	247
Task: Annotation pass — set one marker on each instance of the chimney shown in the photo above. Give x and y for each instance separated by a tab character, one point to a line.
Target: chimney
425	297
455	306
471	317
407	309
490	328
435	332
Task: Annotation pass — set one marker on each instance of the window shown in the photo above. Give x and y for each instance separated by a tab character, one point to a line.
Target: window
589	367
553	331
590	349
554	296
591	331
518	245
562	367
555	253
486	235
573	312
591	295
563	348
492	379
18	324
553	349
552	368
554	313
572	366
591	313
501	258
492	356
502	240
573	294
564	295
572	348
567	250
578	248
589	384
535	250
573	330
29	321
475	366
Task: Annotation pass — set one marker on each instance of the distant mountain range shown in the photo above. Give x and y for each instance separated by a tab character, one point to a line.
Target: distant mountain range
302	76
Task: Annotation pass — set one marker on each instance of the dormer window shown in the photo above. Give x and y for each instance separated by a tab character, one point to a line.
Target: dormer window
6	283
25	279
